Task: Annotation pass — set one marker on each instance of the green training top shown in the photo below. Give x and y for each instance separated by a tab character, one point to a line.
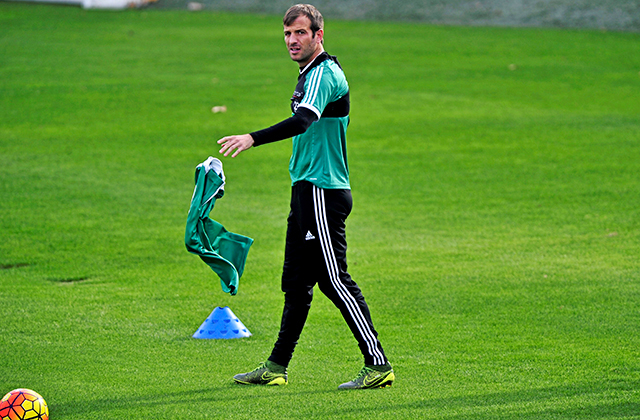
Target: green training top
320	153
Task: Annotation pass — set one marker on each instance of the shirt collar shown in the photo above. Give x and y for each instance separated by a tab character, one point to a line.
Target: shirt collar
312	63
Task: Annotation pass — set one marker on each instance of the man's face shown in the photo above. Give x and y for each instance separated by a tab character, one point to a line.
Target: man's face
301	42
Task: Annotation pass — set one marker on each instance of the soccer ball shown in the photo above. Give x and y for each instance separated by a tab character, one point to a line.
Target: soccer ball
23	404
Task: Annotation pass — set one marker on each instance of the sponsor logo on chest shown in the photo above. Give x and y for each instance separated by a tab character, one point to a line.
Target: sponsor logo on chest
296	99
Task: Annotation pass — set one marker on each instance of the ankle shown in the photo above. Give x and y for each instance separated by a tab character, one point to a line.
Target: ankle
274	367
381	368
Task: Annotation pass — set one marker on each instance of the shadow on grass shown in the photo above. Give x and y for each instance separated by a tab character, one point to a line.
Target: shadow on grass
559	402
201	397
564	402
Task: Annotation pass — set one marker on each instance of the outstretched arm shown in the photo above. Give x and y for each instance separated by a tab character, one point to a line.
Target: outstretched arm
297	124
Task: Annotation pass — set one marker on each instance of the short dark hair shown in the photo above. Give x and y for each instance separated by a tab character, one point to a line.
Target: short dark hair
308	10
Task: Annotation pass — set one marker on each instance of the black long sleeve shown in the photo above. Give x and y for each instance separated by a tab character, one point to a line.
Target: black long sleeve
297	124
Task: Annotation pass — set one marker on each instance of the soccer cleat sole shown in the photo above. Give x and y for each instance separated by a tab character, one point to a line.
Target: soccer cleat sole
273	382
383	382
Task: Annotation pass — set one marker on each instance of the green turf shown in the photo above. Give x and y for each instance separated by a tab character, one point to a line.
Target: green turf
495	232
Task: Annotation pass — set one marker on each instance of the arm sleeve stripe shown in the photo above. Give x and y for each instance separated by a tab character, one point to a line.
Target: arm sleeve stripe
314	86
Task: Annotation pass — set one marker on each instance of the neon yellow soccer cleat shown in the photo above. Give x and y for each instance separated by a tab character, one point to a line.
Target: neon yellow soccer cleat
261	376
370	377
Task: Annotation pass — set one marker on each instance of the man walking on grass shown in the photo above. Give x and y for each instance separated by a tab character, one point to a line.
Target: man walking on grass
316	247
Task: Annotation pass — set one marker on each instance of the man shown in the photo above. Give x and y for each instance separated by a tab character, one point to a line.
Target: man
316	246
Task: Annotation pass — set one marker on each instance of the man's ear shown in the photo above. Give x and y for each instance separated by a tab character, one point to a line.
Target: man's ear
320	36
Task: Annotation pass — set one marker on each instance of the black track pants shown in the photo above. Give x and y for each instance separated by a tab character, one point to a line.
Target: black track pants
316	251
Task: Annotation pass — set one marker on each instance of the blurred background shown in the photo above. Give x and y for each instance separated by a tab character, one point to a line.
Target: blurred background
618	15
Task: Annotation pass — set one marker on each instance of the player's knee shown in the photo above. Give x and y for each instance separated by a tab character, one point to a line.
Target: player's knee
299	296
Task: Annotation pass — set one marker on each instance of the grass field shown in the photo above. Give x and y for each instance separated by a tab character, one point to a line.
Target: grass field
495	234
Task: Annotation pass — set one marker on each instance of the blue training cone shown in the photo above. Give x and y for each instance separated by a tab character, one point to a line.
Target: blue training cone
222	323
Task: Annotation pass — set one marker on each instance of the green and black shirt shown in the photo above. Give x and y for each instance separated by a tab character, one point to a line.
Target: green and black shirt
320	116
